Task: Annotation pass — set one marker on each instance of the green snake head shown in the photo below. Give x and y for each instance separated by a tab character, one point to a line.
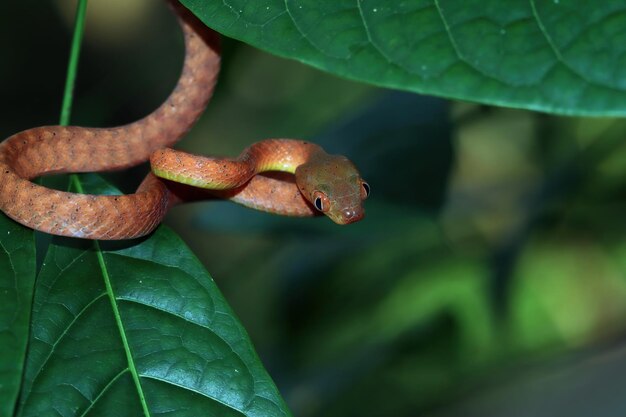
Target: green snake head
333	185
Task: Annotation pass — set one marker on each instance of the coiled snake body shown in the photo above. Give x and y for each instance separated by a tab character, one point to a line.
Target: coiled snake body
324	183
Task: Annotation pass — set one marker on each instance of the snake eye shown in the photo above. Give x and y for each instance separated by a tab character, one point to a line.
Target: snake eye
365	190
320	201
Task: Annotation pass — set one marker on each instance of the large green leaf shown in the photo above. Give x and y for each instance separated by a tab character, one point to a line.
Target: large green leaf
17	276
556	56
138	329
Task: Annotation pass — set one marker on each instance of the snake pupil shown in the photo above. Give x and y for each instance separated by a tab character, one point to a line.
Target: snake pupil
318	204
366	187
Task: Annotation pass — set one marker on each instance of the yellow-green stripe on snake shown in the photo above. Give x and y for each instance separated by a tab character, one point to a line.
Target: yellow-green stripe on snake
323	183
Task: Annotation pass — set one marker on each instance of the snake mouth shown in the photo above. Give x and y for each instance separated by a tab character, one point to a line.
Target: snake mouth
347	216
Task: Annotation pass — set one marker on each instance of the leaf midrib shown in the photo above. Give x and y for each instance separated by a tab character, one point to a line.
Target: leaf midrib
122	330
116	312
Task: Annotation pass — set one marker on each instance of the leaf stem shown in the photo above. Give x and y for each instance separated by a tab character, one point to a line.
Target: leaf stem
70	79
66	108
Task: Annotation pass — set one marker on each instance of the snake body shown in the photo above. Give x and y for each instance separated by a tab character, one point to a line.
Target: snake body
324	183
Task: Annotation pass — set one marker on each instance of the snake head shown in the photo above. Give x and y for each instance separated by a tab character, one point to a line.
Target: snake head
333	185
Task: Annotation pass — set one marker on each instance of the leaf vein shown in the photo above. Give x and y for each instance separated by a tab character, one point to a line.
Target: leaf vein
455	45
369	35
299	30
557	52
61	336
155	307
165	381
16	311
103	391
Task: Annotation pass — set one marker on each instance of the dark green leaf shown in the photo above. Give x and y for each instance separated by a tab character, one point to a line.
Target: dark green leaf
138	328
555	56
17	277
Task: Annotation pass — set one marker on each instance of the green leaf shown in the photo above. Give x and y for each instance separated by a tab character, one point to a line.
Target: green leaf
138	329
17	277
556	56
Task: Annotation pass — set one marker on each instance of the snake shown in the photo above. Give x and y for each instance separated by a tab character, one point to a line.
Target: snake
308	181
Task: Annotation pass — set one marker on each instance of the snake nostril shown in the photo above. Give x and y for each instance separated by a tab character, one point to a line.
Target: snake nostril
349	213
352	215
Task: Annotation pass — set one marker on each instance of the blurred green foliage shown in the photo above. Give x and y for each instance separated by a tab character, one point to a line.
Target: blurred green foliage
491	257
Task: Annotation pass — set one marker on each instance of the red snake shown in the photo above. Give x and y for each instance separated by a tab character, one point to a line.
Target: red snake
324	183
